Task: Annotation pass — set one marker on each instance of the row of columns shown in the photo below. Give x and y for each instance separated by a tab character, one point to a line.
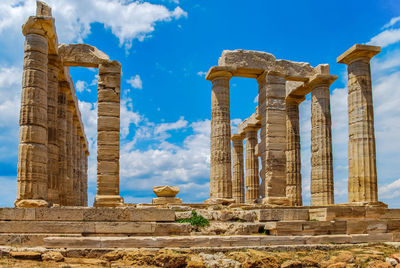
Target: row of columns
280	139
52	149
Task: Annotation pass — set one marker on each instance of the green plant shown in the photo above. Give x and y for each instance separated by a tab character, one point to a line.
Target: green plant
195	220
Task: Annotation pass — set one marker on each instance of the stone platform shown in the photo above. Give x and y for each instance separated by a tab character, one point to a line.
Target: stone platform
158	227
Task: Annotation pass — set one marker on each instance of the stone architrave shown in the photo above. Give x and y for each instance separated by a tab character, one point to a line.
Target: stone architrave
237	168
362	151
62	140
252	172
32	156
322	193
272	108
108	129
54	65
293	154
220	166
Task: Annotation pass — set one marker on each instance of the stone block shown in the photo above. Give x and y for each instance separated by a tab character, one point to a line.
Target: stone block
389	213
69	242
107	167
59	214
108	95
366	226
123	228
53	227
34	78
283	214
108	123
108	138
151	215
166	200
107	152
172	228
108	109
106	214
36	42
17	214
324	228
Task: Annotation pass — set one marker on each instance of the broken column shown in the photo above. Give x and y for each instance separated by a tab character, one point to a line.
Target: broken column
220	166
252	176
271	99
32	156
322	193
293	153
362	152
237	168
54	64
108	129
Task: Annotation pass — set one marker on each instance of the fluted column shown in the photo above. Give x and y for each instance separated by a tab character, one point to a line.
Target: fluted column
85	182
108	129
220	166
69	144
54	65
322	193
62	140
362	153
293	154
237	169
32	155
271	99
252	172
74	154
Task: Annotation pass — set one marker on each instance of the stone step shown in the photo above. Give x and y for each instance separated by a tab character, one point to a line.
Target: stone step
123	214
209	241
87	228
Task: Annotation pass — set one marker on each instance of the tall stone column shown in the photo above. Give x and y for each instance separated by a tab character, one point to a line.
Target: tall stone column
85	184
362	152
54	65
62	140
69	143
252	172
74	150
322	193
237	169
220	166
293	154
32	155
108	127
272	107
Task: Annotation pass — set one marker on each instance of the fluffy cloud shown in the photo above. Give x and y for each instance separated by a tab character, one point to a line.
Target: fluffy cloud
389	36
135	82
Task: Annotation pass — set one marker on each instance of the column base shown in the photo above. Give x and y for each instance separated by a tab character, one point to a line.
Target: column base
31	203
220	201
53	196
108	201
166	200
277	201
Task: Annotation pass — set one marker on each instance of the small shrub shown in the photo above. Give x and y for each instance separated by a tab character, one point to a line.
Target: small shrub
195	220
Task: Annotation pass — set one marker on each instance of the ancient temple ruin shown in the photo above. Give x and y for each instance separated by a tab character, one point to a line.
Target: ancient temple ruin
255	184
53	149
283	85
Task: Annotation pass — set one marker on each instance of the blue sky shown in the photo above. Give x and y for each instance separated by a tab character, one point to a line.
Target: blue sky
165	48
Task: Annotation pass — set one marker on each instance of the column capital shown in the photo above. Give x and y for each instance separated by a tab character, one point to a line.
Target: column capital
321	79
250	127
42	25
357	52
237	137
219	71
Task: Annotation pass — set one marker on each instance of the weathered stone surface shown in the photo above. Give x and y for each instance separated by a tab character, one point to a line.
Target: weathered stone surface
82	55
252	171
237	169
167	200
287	214
362	151
220	165
166	191
52	256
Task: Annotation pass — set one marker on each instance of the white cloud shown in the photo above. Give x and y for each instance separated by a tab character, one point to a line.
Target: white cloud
126	20
135	82
181	123
80	86
201	73
392	22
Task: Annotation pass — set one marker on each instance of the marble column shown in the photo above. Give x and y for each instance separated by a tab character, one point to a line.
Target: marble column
69	145
362	153
272	108
32	156
220	166
108	129
252	172
62	140
54	65
322	193
237	168
293	154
